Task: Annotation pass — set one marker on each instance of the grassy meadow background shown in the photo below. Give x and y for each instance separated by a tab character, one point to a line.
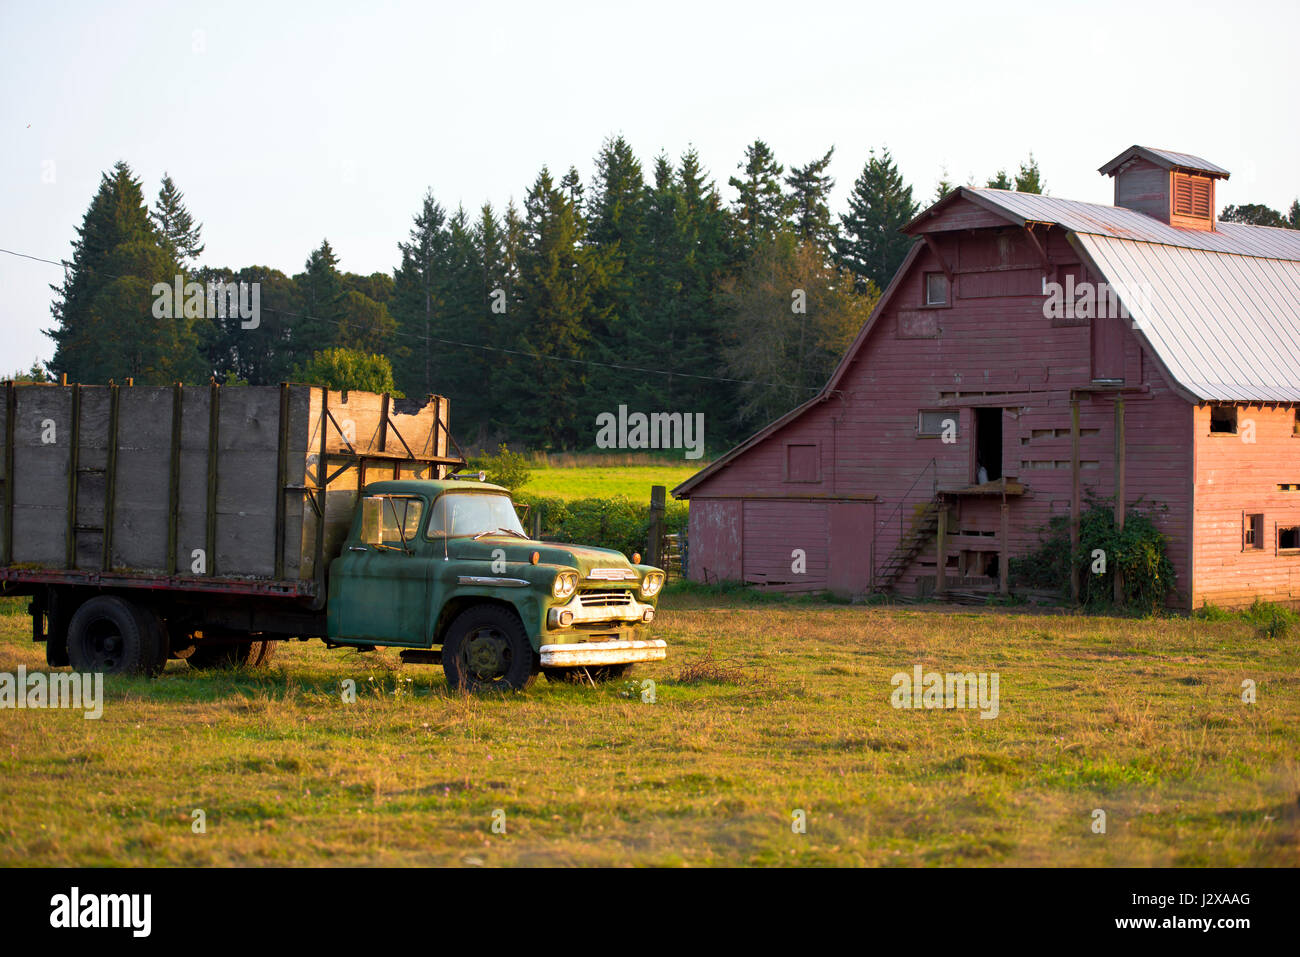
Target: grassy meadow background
764	706
604	475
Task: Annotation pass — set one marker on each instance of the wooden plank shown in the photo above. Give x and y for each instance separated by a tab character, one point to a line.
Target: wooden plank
11	401
1075	505
74	447
1004	542
214	440
941	550
174	477
110	476
1119	492
281	478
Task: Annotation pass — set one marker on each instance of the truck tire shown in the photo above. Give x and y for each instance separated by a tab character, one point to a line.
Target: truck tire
244	654
112	636
486	648
599	673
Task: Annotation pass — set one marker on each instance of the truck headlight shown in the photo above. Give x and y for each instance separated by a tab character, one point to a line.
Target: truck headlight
566	583
651	584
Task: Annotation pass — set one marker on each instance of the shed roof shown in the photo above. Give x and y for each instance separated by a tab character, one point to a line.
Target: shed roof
1166	158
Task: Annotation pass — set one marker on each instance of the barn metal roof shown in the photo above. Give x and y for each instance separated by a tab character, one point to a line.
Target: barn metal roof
1121	223
1166	158
1226	327
1220	310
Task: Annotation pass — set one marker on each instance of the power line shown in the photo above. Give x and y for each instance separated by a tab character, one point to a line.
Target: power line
486	348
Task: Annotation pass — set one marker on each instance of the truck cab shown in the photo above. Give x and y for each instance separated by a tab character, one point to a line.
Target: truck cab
444	570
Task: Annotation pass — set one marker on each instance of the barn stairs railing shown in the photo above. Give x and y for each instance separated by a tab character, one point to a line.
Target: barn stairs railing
924	524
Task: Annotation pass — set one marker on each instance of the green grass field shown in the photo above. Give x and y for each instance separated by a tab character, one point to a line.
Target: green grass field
763	708
594	481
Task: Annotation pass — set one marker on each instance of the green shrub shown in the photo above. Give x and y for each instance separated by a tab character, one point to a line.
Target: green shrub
617	523
507	469
1140	551
1211	612
1273	621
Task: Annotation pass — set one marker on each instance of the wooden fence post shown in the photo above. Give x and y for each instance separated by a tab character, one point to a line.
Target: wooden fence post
654	546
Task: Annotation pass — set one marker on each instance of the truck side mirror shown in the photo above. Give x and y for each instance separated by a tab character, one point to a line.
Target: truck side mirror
372	520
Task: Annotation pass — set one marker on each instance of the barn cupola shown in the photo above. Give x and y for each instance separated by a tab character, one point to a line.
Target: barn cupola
1175	188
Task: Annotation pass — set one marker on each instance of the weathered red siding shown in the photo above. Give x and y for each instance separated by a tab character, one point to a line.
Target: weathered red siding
1238	475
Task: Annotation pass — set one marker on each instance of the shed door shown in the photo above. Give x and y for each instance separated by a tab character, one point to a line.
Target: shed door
774	530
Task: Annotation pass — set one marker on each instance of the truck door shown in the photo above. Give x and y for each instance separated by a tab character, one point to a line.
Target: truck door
379	586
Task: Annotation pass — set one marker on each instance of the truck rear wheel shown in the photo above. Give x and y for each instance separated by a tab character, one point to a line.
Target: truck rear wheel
112	636
486	648
244	654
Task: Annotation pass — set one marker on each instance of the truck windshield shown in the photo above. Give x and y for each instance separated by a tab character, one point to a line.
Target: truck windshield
473	513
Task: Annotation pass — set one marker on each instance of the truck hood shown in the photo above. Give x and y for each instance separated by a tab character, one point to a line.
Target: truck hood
582	557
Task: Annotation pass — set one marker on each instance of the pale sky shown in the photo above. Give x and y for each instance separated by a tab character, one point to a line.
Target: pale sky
286	123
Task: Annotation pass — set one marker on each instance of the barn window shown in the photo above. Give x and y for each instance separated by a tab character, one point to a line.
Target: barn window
1288	539
1295	426
1223	419
1192	196
930	423
1254	532
803	462
936	289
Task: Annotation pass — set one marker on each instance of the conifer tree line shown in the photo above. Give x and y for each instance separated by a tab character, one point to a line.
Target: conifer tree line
651	287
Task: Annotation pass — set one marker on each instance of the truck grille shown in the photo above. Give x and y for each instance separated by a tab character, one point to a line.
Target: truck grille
604	598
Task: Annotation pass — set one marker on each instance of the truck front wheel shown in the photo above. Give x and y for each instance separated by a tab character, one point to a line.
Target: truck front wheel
486	648
113	636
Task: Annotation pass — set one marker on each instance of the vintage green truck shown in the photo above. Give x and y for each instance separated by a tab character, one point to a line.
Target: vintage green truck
210	523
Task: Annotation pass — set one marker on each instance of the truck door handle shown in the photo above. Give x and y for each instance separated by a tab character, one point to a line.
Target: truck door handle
358	548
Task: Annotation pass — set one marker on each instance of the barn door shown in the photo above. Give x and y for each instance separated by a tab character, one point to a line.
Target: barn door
1107	348
786	544
851	529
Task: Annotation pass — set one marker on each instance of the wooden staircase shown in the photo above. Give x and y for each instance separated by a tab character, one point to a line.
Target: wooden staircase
925	523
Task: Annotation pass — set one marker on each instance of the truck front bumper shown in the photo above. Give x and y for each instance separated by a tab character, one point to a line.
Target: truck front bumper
583	653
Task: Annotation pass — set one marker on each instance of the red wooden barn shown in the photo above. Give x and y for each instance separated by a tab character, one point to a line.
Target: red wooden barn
1030	350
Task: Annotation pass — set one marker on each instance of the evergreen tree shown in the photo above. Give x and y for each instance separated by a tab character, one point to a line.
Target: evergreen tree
559	276
321	303
871	245
419	284
810	188
1000	181
179	232
712	244
1254	214
109	322
944	186
1293	215
1029	180
616	226
762	208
